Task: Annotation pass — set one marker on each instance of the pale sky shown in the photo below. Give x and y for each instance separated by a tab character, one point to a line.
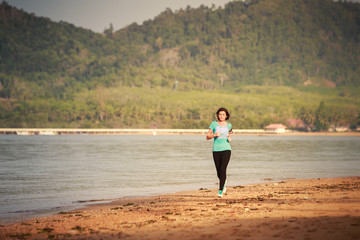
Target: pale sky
98	14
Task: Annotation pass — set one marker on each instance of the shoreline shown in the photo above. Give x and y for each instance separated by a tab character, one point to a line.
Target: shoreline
79	131
320	208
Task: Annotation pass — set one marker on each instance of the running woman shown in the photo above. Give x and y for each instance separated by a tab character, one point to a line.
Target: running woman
220	131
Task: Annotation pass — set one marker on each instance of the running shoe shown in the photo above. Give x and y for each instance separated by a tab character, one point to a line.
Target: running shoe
220	195
224	189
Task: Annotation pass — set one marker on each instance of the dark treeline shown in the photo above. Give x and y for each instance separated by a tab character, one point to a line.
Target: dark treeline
56	74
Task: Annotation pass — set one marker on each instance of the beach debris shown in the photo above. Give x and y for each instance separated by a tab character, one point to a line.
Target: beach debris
221	205
21	236
64	212
27	224
190	209
70	213
45	230
128	204
78	228
150	221
116	208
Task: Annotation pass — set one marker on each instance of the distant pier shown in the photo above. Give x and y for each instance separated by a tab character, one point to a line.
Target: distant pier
116	131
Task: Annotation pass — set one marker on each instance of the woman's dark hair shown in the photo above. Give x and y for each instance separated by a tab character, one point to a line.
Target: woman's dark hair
223	110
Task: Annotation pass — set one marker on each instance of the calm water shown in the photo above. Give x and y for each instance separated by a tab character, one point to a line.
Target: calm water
44	174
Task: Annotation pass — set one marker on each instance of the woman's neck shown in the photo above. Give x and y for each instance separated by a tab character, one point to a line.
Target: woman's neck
222	123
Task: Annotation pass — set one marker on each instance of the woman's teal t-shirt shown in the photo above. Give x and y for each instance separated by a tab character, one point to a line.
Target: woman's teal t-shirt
221	143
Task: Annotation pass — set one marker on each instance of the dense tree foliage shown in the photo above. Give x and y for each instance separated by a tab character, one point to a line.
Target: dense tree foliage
56	74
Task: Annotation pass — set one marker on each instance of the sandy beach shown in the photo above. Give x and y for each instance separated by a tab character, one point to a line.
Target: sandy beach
326	208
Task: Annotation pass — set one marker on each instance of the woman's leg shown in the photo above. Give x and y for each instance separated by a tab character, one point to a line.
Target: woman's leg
217	161
221	160
225	159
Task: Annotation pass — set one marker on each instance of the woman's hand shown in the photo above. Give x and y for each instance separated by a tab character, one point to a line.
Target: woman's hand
229	138
211	135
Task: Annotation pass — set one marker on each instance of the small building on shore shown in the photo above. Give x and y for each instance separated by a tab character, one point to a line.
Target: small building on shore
276	128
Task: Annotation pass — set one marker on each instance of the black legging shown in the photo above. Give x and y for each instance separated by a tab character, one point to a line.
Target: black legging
221	160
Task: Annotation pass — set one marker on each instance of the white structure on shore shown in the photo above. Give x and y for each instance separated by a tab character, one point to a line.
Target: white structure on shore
276	128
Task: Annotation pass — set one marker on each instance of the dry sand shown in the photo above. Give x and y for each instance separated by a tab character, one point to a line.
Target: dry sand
291	209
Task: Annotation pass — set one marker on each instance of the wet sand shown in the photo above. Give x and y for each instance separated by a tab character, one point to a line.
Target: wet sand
326	208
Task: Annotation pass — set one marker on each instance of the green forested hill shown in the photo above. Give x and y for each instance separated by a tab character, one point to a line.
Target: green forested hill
266	60
264	42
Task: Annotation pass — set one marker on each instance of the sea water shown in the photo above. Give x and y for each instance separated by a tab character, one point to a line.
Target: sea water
47	174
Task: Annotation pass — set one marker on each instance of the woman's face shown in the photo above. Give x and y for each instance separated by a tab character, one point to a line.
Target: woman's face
222	116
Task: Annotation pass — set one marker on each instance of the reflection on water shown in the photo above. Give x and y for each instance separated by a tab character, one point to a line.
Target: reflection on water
44	172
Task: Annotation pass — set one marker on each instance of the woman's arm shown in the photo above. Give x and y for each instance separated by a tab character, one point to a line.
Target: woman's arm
211	135
229	137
